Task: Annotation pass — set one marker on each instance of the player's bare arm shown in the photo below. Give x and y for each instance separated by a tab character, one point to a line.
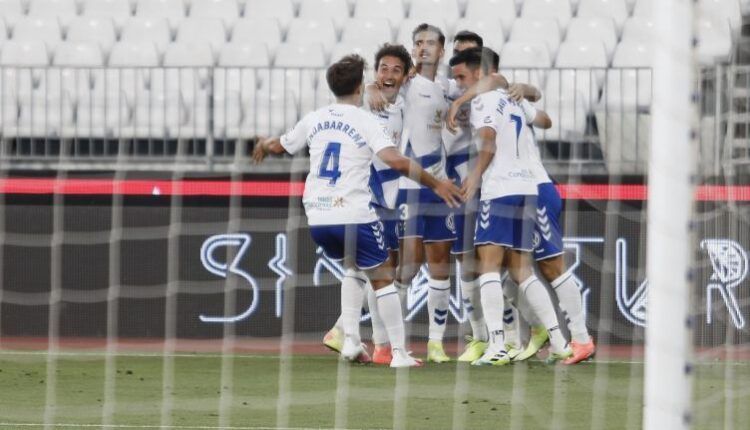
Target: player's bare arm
265	146
489	83
486	154
445	188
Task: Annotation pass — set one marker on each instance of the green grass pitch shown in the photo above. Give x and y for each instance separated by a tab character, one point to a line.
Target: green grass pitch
594	395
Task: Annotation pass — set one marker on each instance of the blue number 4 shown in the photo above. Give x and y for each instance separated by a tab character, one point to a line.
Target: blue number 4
519	124
329	166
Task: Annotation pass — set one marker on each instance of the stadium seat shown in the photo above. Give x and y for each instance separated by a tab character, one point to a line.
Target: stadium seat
370	31
132	68
309	31
280	10
365	50
172	10
45	30
721	11
138	30
198	30
92	29
118	10
492	10
298	68
715	41
623	116
435	11
407	26
643	9
79	78
187	82
525	62
24	68
63	10
555	9
491	31
585	64
321	10
567	111
252	30
638	29
3	32
593	29
615	9
226	10
11	11
528	30
393	10
241	68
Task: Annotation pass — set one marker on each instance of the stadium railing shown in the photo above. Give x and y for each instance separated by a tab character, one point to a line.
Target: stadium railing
207	119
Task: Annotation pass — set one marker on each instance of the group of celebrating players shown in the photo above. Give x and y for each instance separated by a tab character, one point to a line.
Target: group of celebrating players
415	167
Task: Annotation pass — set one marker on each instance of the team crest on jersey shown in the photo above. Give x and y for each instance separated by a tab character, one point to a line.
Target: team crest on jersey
338	202
450	222
438	116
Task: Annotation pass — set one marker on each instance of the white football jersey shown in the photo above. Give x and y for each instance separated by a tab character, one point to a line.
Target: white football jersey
384	184
510	171
342	140
458	145
424	116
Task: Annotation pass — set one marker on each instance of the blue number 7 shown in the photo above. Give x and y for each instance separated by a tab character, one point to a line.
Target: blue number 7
519	124
330	158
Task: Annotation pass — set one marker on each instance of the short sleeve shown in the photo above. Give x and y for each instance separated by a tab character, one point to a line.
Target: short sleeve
482	114
296	138
377	136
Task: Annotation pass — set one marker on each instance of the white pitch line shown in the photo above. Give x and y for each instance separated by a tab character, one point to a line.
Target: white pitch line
313	357
126	426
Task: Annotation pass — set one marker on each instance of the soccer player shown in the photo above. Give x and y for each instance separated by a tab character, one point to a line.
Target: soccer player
505	223
428	228
458	146
548	244
342	140
392	65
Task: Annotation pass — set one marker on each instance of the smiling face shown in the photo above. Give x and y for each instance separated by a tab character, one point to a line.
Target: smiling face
427	50
464	76
390	75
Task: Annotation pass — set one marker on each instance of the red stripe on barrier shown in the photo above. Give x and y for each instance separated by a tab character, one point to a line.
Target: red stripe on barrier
144	187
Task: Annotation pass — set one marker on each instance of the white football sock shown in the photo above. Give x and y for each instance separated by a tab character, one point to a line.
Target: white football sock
379	336
491	289
403	293
541	305
571	302
473	304
437	306
352	295
389	307
520	302
510	319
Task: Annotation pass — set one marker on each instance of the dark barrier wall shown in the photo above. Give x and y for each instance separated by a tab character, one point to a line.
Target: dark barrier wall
198	250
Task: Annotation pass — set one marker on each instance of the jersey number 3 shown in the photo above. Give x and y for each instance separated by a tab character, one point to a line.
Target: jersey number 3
329	166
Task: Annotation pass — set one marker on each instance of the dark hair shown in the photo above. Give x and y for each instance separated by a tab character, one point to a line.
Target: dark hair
468	36
345	75
428	27
398	51
485	58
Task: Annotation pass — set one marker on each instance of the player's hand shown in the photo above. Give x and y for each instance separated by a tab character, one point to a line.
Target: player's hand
259	151
470	187
450	119
517	92
449	192
378	101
